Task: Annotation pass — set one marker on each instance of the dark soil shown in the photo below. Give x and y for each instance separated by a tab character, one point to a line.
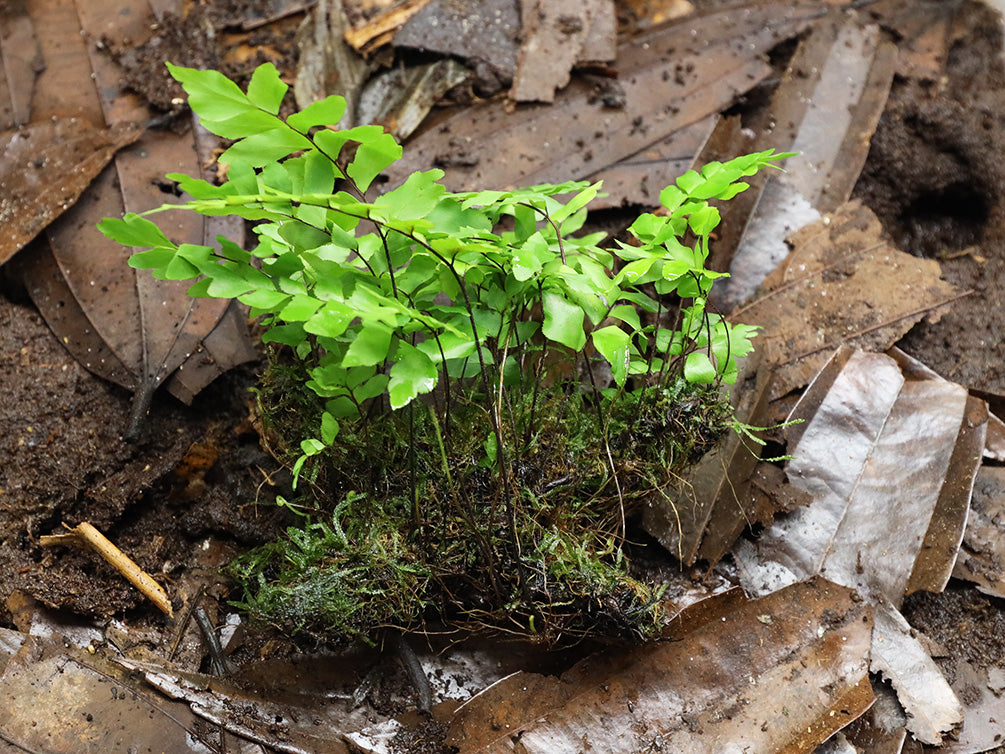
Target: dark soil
936	179
194	473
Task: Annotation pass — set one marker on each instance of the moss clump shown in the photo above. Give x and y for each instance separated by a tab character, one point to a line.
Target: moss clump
414	520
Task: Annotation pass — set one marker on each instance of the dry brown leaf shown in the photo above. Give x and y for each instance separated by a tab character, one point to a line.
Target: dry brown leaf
62	700
778	674
825	108
703	515
982	557
888	454
594	124
45	167
124	326
842	284
20	63
931	705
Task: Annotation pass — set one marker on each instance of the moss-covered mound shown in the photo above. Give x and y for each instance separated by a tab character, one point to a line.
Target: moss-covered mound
418	518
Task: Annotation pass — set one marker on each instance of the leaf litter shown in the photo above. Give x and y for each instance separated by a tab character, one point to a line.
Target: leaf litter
127	328
892	628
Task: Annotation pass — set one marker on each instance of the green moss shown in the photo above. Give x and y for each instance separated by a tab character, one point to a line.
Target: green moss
417	524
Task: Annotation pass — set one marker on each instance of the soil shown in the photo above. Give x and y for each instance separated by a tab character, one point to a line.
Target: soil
935	177
195	472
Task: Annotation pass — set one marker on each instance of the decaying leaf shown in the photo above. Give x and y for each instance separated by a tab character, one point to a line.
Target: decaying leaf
874	446
708	510
880	442
44	168
982	557
777	674
125	327
595	123
983	709
63	700
825	108
842	284
292	720
20	63
931	706
639	178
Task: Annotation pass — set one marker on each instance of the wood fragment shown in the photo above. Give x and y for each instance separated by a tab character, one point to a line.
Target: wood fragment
87	534
365	39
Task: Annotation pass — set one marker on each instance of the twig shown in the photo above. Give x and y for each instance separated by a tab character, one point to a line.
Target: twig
97	541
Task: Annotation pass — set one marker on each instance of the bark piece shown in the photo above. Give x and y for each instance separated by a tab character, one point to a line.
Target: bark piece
378	29
483	34
842	284
778	674
558	34
328	64
401	98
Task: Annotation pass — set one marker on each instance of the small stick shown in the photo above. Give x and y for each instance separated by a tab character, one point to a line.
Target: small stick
117	559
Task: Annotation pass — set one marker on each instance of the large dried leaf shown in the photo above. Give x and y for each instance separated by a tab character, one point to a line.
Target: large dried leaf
842	284
587	129
879	443
638	179
874	446
124	326
981	690
44	168
826	108
778	674
289	720
61	700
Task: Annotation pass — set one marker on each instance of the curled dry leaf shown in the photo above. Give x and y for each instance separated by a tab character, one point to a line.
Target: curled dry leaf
778	674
